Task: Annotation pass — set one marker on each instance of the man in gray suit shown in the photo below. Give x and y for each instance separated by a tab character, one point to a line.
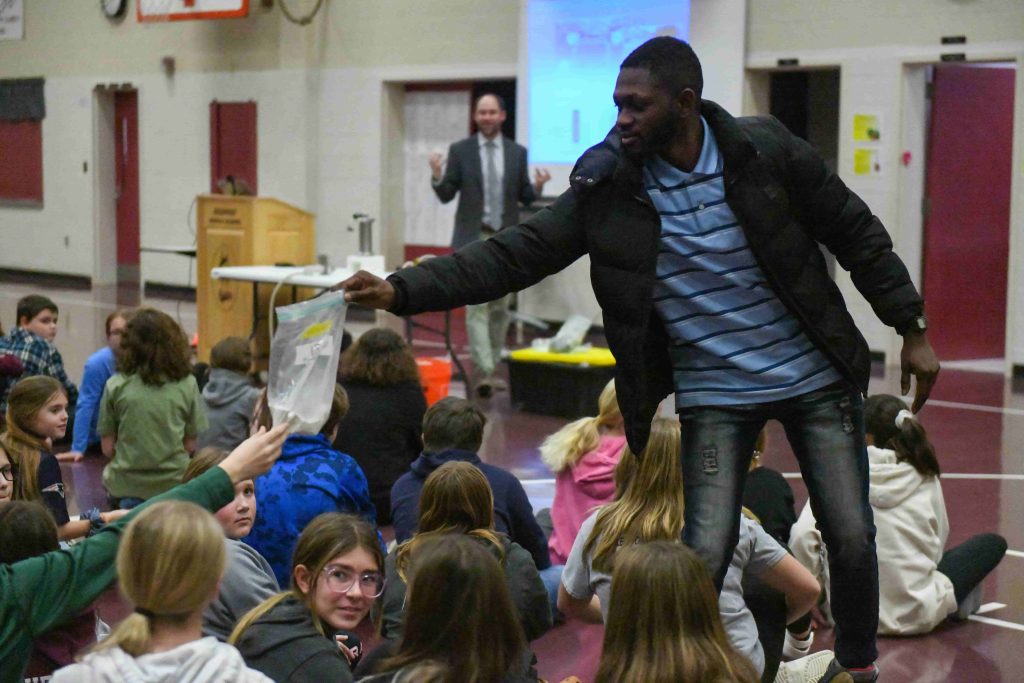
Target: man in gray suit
488	171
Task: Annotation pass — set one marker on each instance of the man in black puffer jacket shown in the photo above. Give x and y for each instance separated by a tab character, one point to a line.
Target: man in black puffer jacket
703	234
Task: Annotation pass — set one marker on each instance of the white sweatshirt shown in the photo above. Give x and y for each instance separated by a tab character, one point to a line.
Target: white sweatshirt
201	661
912	530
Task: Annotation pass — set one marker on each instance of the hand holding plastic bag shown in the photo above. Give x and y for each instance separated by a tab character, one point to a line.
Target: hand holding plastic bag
304	361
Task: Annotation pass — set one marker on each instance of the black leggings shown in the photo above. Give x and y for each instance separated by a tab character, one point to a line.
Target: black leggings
969	563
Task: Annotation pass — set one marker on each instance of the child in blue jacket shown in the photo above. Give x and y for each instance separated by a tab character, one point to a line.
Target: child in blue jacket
308	479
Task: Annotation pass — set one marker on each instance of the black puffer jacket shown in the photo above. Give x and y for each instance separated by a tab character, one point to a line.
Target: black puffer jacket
787	202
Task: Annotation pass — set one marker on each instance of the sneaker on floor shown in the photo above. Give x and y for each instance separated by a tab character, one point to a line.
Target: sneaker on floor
970	605
794	648
837	673
808	669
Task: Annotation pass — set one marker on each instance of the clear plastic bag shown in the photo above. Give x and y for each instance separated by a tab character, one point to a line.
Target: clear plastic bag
304	361
571	334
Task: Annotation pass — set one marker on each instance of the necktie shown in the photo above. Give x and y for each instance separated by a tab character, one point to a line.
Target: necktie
492	189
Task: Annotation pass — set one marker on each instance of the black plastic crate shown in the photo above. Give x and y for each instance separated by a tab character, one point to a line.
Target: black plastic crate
558	389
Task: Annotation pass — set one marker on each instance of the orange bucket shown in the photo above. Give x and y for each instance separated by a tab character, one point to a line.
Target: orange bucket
435	377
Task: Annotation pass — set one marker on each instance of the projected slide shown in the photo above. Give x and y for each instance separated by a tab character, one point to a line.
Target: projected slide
574	51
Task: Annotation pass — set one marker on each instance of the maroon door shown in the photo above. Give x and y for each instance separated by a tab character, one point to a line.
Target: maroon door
233	144
126	159
967	227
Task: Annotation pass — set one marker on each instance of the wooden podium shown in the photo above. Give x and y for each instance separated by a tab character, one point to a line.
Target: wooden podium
245	231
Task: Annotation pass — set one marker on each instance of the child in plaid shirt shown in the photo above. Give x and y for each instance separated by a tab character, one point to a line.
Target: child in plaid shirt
32	343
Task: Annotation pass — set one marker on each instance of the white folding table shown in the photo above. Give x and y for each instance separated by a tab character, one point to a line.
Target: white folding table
297	276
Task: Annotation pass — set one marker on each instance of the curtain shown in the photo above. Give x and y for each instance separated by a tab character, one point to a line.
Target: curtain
433	120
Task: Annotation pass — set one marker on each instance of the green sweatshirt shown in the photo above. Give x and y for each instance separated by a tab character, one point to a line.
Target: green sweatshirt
41	592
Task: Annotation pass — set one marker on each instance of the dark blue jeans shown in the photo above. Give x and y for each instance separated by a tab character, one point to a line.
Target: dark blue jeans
826	431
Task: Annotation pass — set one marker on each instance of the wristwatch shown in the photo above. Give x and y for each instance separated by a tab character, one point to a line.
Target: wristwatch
917	324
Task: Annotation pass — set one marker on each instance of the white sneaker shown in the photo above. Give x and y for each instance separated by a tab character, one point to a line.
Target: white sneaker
794	648
807	669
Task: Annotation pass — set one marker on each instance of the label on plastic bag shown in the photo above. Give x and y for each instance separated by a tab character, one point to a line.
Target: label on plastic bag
307	353
316	329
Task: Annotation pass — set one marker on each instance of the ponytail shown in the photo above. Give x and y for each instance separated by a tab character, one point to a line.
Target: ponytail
893	426
132	635
565	447
169	562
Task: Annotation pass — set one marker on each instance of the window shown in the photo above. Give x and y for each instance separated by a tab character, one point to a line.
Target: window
22	110
21	162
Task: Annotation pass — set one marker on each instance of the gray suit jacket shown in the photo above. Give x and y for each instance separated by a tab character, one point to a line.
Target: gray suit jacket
465	177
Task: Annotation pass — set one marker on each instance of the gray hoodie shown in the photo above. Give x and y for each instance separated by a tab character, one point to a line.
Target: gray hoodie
201	661
248	581
230	399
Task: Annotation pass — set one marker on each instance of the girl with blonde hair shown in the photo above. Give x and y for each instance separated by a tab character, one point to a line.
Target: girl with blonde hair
648	508
169	564
457	501
37	415
583	455
663	624
300	635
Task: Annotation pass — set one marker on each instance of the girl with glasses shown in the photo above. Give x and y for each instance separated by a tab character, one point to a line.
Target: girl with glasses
7	474
298	635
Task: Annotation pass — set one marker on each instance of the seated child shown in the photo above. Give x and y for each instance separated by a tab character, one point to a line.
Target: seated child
32	343
229	395
583	456
336	573
453	429
666	588
382	428
248	579
99	367
27	530
151	411
921	583
168	566
37	594
11	368
460	624
457	501
6	477
36	417
649	507
310	478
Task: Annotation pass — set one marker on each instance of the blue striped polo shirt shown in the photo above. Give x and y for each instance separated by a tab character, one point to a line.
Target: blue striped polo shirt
732	341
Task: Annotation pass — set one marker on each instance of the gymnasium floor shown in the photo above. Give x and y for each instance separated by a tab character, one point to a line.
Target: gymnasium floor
975	420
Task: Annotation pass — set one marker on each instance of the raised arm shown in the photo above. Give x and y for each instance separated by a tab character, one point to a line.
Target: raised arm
44	591
448	185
